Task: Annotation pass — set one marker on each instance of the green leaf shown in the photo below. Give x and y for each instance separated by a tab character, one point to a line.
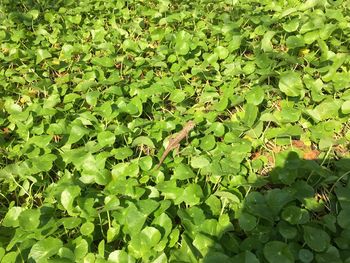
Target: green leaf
295	42
182	48
84	85
101	248
317	239
11	107
33	14
183	172
41	141
291	26
92	97
42	54
164	221
222	52
343	196
51	101
145	163
290	84
87	228
2	253
255	204
67	198
174	237
143	140
208	142
11	217
103	62
150	236
122	153
330	255
210	58
250	114
345	108
255	96
276	199
170	191
120	256
182	43
45	248
75	19
228	196
266	44
192	194
199	162
177	96
106	138
305	255
328	109
203	242
286	230
70	222
76	133
214	204
133	220
130	44
295	215
244	257
66	52
81	247
311	37
235	42
276	251
343	218
287	115
29	219
43	162
247	221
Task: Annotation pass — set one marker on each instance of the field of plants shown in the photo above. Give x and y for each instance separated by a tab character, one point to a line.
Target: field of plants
93	91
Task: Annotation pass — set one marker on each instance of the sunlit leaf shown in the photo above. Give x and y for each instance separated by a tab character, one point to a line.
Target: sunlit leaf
290	83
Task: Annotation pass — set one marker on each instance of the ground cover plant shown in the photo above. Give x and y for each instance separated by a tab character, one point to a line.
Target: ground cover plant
91	90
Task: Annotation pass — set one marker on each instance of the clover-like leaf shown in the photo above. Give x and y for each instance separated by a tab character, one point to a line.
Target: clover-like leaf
44	249
295	42
290	83
177	96
87	228
122	153
182	43
250	114
316	238
345	108
245	257
11	217
305	255
29	219
199	162
183	172
76	133
247	221
120	256
222	52
277	251
106	138
192	194
255	96
103	62
42	54
208	142
343	218
67	197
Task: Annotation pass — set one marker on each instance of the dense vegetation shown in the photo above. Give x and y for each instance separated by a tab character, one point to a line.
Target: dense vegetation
91	90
